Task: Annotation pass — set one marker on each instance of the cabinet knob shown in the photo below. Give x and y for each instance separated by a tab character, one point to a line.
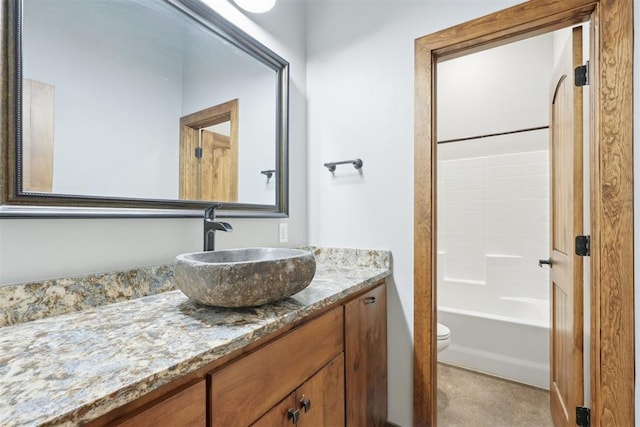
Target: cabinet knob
369	300
293	415
305	404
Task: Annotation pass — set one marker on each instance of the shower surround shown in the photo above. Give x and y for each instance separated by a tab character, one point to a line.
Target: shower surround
493	227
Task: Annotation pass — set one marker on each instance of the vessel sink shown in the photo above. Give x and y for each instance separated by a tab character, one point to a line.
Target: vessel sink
243	277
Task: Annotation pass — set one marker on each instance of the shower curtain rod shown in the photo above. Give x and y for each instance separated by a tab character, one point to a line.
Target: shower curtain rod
447	141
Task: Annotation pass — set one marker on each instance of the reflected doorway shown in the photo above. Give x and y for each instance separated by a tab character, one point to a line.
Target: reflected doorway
209	154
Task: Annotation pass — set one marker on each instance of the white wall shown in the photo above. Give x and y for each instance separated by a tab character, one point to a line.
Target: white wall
103	81
360	104
496	90
35	249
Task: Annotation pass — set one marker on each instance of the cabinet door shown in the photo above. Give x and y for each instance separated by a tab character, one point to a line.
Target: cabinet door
321	398
366	359
319	402
246	389
281	415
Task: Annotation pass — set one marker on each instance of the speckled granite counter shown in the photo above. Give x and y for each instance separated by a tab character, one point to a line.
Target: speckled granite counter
75	367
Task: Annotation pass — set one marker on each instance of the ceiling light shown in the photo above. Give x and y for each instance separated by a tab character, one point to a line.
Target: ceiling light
256	6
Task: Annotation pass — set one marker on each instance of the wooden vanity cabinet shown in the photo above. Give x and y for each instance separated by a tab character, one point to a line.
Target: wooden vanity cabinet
366	358
335	365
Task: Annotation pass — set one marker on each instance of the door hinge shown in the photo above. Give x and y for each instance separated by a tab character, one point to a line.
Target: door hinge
198	152
583	416
583	245
582	75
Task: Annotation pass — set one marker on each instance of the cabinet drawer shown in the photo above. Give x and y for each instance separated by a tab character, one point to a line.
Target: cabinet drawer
186	408
249	387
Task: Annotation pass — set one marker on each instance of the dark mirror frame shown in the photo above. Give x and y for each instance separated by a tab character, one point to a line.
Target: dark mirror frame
14	203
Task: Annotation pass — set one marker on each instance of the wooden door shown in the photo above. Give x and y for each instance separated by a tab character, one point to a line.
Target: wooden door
38	107
219	169
366	359
566	223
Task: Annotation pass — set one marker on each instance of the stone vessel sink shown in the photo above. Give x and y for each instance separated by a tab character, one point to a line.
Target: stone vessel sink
243	277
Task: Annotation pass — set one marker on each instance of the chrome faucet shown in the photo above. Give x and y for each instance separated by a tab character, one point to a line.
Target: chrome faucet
211	226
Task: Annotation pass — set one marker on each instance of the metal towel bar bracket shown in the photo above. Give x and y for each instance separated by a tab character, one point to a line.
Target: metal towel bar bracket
269	173
357	163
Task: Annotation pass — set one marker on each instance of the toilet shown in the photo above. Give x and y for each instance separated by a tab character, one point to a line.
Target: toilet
444	337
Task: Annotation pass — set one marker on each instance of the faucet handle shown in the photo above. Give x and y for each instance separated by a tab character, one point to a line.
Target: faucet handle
210	212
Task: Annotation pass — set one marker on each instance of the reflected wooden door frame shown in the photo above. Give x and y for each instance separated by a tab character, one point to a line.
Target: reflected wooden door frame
38	113
190	125
611	183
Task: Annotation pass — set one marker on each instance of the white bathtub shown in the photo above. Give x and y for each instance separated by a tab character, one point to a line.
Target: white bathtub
513	344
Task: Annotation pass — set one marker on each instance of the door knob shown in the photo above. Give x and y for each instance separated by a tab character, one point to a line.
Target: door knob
545	261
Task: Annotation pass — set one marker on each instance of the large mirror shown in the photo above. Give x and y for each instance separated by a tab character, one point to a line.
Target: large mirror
158	104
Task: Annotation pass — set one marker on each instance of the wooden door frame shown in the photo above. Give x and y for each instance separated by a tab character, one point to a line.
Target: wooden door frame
611	186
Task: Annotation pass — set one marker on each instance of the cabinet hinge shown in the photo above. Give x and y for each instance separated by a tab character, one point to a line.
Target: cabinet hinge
582	75
198	152
583	416
583	245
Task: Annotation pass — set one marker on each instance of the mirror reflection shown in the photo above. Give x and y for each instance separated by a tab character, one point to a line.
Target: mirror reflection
135	99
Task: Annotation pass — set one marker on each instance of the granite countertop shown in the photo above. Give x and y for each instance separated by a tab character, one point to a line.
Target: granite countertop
71	368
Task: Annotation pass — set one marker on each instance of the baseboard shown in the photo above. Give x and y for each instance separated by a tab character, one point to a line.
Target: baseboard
390	424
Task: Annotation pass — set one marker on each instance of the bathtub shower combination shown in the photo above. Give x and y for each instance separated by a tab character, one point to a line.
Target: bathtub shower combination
493	226
513	345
